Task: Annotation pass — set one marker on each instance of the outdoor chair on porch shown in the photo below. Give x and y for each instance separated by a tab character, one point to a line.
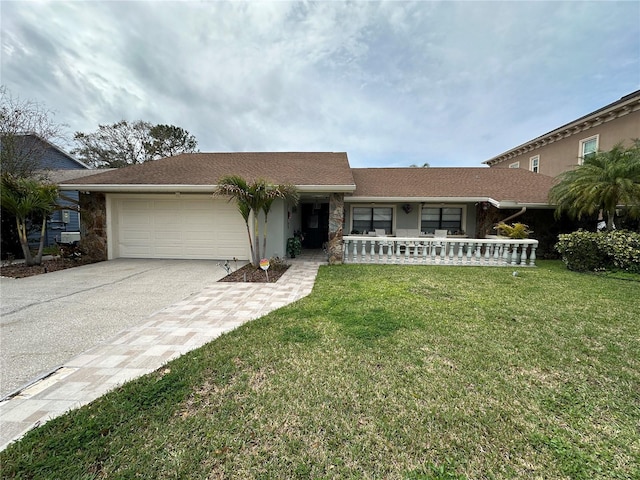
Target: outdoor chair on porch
439	245
380	232
410	233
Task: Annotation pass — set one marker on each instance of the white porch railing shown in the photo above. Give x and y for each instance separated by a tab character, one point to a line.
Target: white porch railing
439	251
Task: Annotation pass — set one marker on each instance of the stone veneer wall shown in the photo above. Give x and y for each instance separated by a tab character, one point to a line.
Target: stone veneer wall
336	220
93	215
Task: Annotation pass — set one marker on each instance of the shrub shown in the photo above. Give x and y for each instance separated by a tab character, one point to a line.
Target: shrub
517	230
584	251
579	251
622	248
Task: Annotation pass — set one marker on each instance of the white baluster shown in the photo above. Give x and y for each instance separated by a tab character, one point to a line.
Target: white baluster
460	252
451	254
496	254
487	253
505	253
514	255
469	252
523	257
532	257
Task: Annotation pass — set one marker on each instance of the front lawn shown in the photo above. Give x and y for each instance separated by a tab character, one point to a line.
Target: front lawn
390	372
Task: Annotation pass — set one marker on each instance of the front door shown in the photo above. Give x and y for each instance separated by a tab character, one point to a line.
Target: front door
315	224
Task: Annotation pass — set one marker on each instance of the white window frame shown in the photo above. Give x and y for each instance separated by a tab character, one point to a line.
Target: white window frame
463	219
377	205
514	165
534	164
583	142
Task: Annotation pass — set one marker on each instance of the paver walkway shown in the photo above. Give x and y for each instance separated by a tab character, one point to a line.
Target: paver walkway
177	329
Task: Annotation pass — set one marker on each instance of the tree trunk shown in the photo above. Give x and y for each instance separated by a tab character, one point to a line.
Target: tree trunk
256	258
264	237
24	241
250	241
43	231
610	216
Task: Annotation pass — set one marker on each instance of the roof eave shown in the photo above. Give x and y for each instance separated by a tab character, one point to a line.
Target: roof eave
502	204
147	188
327	188
370	199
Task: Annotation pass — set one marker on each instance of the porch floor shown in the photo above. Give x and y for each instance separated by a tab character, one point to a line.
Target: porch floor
311	255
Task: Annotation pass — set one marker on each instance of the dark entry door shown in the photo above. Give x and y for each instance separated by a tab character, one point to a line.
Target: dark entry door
315	224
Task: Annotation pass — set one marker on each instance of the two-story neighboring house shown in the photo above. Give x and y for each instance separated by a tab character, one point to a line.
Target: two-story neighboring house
63	225
54	165
564	148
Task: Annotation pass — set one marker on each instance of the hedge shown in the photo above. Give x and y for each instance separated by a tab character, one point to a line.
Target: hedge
584	251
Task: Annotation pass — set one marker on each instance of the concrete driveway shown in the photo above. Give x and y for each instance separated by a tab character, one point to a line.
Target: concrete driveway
48	319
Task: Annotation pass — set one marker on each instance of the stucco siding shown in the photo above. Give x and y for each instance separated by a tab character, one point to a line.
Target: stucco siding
563	154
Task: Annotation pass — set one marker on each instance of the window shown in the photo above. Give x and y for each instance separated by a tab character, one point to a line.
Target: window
588	146
368	219
445	218
514	165
534	164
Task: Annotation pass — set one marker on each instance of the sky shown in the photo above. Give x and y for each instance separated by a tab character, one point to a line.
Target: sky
450	84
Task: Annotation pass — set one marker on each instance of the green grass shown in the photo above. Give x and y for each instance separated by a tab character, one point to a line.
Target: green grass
391	372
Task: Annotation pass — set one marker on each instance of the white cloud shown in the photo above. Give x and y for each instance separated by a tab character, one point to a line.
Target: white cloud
392	83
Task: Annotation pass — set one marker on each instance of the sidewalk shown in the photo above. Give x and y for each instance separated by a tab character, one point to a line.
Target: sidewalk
180	328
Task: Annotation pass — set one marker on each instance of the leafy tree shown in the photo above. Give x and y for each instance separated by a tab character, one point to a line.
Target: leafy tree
128	143
26	129
169	140
27	199
603	182
253	198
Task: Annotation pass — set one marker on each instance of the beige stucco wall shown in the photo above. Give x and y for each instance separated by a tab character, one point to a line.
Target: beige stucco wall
562	155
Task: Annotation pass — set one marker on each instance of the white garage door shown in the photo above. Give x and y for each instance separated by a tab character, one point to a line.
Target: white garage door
170	226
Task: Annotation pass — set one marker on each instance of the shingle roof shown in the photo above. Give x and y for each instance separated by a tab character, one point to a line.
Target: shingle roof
59	176
297	168
327	170
500	184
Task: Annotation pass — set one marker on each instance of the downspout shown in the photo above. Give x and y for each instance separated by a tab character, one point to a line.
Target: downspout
524	209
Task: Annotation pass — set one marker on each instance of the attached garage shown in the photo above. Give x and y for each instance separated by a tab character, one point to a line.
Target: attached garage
187	226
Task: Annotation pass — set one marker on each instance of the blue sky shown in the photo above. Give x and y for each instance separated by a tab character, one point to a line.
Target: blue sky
390	83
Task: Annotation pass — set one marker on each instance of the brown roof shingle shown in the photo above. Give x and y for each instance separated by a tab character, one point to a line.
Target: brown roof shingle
501	184
296	168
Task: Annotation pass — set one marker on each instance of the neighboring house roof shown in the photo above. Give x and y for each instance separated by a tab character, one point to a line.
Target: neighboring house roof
627	104
501	186
59	176
51	162
200	172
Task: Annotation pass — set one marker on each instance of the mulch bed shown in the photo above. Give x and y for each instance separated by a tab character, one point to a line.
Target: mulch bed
20	270
249	273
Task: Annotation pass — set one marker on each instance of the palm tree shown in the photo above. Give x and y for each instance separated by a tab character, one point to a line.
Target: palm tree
603	182
253	198
27	199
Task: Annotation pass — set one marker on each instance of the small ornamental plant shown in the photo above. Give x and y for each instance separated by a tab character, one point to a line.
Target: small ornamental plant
516	230
294	247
